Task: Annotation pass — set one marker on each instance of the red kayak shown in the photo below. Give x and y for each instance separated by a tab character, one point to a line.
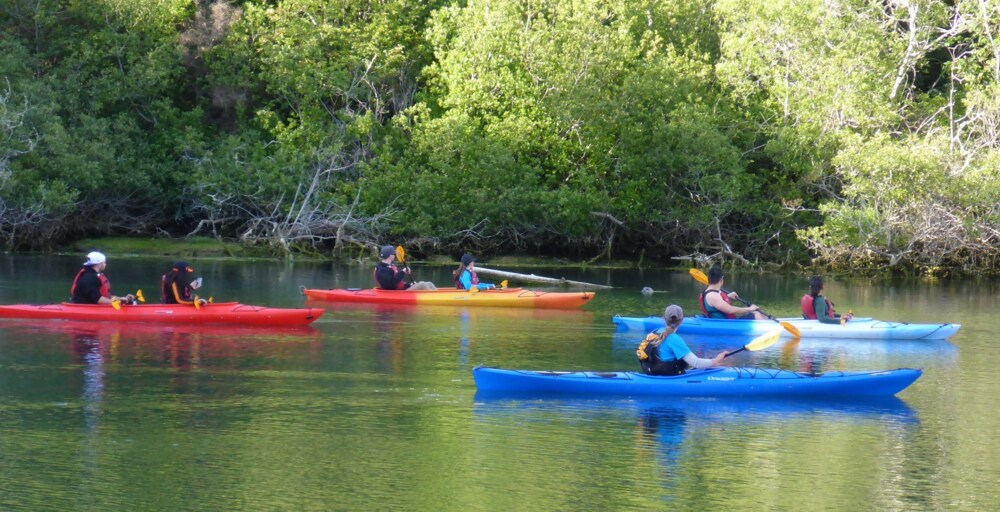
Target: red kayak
509	297
218	313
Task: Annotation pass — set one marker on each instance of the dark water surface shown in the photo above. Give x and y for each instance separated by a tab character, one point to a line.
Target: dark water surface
374	408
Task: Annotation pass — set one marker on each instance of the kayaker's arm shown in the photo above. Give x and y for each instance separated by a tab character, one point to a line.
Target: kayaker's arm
821	311
716	302
700	362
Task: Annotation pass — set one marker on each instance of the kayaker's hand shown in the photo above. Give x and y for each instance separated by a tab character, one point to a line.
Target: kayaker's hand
717	360
203	302
753	307
129	299
733	295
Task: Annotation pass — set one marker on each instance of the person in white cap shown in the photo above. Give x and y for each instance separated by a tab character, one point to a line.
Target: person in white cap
664	352
91	286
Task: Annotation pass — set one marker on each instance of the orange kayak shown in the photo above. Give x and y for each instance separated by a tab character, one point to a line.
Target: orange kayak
217	313
510	297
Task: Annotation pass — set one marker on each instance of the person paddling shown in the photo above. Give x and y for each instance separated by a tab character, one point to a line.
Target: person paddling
817	307
664	352
465	275
390	277
91	286
178	285
716	302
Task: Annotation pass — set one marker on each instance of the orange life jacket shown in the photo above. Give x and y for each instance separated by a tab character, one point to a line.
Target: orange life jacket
809	307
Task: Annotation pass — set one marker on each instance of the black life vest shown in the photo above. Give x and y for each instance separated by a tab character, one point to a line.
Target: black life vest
648	354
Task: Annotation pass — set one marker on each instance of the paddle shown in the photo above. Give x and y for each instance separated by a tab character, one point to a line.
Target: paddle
703	279
197	302
760	342
401	257
117	304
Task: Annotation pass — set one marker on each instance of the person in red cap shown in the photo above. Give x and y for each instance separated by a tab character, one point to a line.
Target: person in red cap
91	286
390	277
178	285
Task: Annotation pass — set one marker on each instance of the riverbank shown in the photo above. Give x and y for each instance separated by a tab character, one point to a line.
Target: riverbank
204	247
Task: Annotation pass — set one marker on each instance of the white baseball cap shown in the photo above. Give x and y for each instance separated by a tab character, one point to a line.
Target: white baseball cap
94	258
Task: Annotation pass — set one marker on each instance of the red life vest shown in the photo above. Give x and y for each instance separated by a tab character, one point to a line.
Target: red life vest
105	284
458	279
809	308
704	305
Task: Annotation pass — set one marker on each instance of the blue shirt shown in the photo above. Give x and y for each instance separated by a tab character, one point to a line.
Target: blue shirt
466	280
673	347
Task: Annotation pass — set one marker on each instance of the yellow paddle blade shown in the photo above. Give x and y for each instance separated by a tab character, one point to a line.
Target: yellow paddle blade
698	276
400	254
117	304
211	300
764	340
794	331
503	284
474	290
139	297
197	302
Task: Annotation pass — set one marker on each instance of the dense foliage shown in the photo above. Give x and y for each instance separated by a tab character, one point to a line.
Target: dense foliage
841	133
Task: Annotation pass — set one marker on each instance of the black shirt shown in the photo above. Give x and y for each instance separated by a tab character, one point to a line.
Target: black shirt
388	278
88	287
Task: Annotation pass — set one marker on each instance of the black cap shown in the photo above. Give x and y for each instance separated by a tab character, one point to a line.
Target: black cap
181	266
467	258
387	250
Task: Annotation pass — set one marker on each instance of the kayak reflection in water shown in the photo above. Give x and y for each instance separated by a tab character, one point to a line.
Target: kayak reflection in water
664	352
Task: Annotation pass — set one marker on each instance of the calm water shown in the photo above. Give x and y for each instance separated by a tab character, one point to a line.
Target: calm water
374	408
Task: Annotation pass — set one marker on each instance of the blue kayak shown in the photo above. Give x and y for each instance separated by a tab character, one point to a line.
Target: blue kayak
856	328
721	381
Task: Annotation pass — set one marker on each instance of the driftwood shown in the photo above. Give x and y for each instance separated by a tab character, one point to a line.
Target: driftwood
532	278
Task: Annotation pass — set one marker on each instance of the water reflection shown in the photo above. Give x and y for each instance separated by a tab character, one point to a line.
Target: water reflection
672	424
177	346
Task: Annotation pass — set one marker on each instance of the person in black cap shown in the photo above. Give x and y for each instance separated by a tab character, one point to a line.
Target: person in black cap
178	285
91	286
465	275
716	303
390	277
